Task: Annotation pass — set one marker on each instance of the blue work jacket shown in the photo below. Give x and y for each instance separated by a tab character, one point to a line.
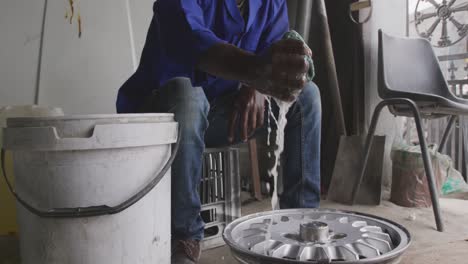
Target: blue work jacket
182	30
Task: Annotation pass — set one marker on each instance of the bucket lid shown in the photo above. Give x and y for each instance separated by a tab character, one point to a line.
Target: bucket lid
25	111
89	131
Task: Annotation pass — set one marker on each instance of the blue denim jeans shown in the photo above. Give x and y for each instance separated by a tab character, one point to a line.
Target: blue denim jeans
206	125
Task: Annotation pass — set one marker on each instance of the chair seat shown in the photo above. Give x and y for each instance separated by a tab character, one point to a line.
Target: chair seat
430	106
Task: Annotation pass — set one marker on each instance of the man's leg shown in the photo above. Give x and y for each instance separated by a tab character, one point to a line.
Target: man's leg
301	170
190	106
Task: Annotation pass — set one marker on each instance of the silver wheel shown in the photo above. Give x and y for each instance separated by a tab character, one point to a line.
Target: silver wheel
443	22
317	236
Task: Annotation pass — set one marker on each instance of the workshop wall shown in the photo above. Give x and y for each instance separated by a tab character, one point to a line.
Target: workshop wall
20	30
89	49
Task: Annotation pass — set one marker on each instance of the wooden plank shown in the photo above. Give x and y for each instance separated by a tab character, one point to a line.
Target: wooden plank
255	170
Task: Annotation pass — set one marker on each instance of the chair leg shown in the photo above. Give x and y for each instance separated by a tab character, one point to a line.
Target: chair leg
424	152
367	148
429	172
447	132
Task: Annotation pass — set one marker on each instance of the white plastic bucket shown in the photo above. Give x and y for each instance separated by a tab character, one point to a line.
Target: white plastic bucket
86	162
8	223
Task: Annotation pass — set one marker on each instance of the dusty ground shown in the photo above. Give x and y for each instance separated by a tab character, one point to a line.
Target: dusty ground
428	247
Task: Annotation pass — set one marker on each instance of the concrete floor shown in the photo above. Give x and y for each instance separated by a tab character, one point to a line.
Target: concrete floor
428	246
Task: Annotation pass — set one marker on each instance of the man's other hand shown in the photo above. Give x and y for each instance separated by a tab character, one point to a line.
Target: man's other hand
248	109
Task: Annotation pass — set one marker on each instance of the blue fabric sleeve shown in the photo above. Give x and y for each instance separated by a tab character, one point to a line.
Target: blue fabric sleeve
277	26
184	35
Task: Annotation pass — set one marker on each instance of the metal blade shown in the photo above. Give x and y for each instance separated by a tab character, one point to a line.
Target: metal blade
359	223
343	220
341	253
266	247
382	245
379	235
259	226
250	242
371	229
365	250
287	251
252	232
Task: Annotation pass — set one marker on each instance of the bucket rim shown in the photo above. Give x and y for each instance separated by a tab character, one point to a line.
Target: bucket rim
159	117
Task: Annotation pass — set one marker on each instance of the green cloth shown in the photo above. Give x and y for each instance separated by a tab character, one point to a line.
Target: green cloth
294	35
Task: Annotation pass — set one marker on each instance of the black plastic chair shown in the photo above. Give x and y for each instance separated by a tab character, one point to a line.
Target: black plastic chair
411	83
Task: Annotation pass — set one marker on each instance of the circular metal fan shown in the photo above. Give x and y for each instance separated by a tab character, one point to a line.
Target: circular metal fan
315	236
443	22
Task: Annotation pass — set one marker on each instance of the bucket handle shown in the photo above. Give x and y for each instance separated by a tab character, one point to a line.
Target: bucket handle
92	211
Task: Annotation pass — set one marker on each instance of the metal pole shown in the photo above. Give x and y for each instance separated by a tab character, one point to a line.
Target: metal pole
303	18
447	131
292	13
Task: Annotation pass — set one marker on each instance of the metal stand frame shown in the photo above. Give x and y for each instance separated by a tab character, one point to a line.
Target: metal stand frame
447	132
424	151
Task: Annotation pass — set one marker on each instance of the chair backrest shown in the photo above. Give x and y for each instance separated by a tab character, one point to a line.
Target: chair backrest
409	67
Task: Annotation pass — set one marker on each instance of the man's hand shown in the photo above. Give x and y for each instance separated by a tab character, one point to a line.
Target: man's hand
248	109
288	69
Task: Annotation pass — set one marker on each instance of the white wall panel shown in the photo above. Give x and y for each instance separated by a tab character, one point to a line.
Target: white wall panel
141	12
82	75
20	28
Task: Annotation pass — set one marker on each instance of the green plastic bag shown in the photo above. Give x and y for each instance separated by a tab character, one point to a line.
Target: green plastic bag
294	35
454	183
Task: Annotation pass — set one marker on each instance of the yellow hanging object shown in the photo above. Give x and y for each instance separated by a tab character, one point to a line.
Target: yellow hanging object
8	224
358	6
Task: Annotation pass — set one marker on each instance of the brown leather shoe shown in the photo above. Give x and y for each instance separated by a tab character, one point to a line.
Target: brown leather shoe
185	252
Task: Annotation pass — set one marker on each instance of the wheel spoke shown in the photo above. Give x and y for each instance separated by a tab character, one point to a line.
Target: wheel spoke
444	33
460	8
451	3
434	3
421	16
457	24
444	37
433	27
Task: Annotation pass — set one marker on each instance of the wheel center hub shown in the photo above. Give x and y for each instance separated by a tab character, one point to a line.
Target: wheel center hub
315	231
444	12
